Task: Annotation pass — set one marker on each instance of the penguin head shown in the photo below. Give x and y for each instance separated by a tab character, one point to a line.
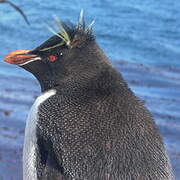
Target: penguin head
67	54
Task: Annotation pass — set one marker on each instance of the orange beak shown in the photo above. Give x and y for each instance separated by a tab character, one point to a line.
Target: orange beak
19	57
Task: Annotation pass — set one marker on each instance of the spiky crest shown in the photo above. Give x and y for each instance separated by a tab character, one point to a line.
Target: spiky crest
67	31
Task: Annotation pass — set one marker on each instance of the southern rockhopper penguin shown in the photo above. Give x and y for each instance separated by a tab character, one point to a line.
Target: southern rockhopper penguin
87	124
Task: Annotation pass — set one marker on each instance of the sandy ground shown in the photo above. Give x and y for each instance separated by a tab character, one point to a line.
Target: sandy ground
159	88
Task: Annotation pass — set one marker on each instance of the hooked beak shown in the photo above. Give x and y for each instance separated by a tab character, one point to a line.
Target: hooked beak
21	57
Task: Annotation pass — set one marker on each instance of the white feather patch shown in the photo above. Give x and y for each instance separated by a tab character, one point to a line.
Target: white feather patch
30	141
30	60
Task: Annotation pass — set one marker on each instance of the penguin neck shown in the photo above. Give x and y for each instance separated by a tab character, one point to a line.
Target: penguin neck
42	73
92	73
45	85
88	84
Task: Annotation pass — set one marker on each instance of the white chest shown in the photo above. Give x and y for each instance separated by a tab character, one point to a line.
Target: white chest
30	141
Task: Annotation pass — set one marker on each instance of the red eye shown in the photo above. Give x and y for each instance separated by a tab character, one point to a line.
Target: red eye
52	58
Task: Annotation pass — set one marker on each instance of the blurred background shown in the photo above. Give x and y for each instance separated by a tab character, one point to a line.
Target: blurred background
142	40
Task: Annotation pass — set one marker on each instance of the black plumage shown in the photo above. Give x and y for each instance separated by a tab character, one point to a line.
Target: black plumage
93	127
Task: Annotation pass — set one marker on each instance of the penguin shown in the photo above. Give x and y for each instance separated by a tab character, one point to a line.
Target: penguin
87	124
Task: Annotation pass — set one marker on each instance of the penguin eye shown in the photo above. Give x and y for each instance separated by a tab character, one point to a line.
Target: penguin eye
52	58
